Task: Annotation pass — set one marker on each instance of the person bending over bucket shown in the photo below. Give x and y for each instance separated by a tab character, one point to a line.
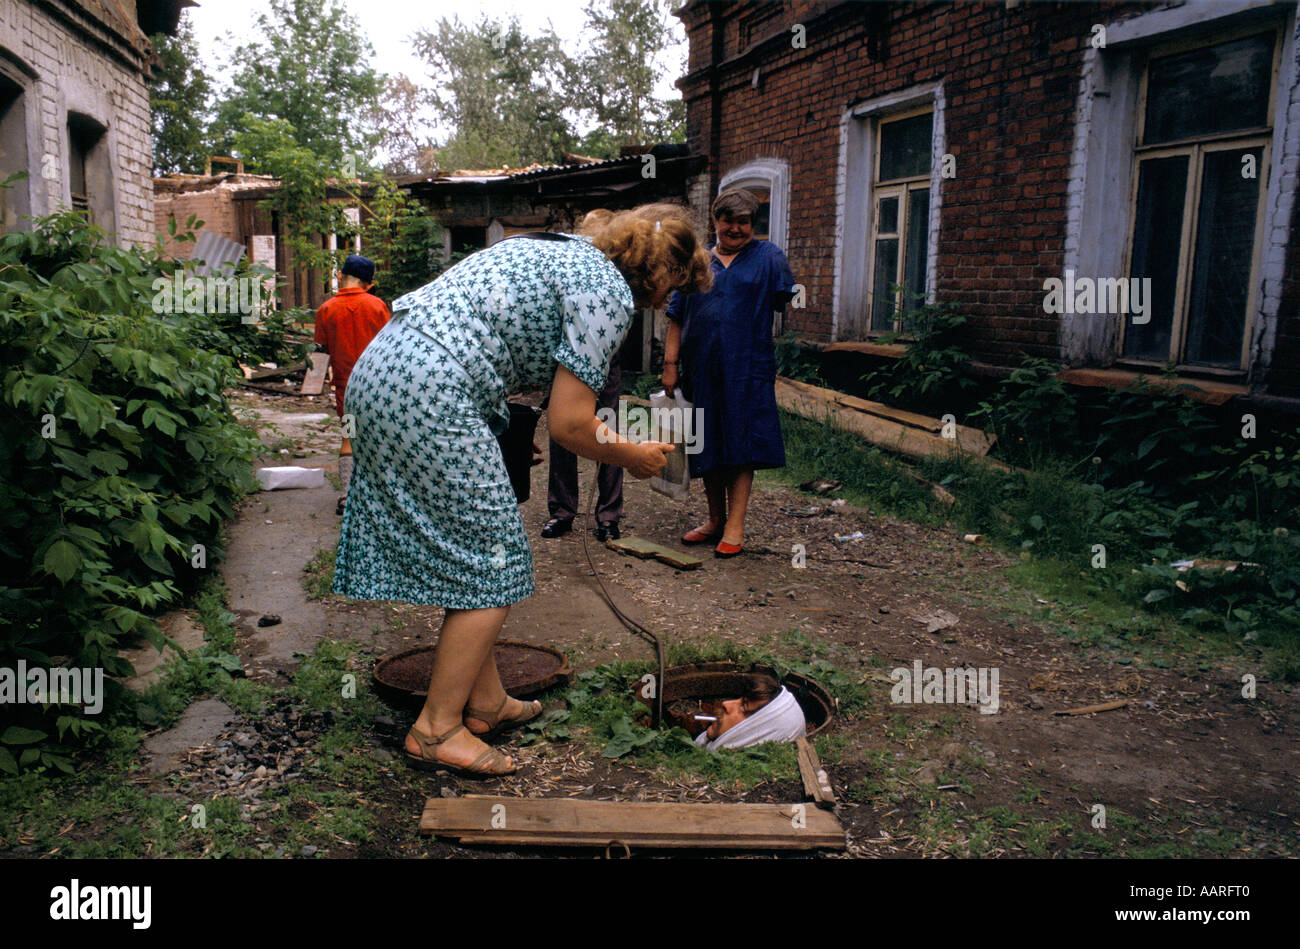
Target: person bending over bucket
766	711
431	517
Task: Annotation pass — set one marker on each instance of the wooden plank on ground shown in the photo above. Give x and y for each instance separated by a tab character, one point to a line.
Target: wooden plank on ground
265	375
570	822
314	382
821	405
645	549
970	440
816	783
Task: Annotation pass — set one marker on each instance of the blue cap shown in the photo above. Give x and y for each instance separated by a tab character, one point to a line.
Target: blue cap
363	268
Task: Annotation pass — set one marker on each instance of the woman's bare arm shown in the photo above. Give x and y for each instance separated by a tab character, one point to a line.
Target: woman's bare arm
571	415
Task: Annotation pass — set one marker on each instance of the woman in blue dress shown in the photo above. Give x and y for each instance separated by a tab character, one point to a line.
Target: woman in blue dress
721	342
431	516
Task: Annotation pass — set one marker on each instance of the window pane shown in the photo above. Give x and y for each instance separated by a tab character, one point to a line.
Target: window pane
1211	89
763	216
918	242
1162	186
905	147
887	215
1225	238
884	276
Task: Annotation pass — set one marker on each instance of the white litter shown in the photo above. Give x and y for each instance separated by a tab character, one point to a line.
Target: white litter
290	476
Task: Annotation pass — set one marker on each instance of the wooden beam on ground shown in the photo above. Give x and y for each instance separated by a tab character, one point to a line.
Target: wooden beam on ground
816	783
314	382
827	405
568	822
264	375
646	549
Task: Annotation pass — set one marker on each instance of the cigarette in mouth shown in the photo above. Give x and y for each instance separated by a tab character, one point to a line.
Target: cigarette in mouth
705	718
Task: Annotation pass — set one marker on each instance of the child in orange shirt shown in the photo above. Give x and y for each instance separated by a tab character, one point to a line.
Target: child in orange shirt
345	325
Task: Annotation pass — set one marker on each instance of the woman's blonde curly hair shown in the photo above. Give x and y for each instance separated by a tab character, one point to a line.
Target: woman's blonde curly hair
655	247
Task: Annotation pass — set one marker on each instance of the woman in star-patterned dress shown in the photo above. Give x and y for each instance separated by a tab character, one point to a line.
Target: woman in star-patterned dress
431	516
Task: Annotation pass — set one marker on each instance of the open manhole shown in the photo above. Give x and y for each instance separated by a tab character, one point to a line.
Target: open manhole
402	680
689	691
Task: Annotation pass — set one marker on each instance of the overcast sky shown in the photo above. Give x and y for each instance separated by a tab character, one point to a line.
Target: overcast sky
389	24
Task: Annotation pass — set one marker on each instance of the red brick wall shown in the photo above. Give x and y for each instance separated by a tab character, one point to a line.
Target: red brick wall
1010	79
214	207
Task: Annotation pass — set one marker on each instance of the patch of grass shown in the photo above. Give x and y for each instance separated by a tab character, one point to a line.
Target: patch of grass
603	715
318	579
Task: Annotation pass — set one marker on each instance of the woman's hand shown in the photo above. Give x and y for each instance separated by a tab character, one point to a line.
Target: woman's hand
649	459
537	454
669	377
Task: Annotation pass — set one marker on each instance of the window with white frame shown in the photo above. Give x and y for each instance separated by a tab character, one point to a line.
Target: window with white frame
900	218
1200	173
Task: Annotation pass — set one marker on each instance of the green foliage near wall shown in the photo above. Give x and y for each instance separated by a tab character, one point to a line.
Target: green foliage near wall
119	457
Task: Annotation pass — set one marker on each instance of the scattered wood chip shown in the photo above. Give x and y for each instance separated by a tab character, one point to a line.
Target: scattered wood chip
1089	709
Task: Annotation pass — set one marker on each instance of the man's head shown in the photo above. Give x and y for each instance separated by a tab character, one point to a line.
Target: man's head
756	691
357	271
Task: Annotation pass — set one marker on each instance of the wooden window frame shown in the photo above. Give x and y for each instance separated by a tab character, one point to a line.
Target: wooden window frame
902	189
1196	148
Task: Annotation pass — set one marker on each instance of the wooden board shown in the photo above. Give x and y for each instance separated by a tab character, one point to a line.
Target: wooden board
646	549
1208	391
970	440
823	405
893	350
570	822
816	783
314	383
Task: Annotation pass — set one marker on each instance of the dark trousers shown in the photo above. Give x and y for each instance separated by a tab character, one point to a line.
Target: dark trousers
562	490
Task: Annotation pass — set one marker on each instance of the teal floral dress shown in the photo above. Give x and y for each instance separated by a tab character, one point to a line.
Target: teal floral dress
431	517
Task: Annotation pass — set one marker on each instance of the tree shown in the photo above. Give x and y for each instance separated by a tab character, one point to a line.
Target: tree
180	99
500	90
614	82
310	68
406	141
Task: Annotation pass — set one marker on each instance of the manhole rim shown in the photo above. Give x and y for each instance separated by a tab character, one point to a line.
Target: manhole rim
398	696
823	695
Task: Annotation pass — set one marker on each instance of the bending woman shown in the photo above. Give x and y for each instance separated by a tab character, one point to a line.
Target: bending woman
431	517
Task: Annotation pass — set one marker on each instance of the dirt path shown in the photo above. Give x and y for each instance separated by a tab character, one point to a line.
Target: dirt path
1188	761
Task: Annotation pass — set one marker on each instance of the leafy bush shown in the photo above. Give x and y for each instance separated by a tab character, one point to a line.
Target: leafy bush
797	362
930	375
119	456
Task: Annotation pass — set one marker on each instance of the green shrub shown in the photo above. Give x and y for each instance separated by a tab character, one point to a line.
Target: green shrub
119	456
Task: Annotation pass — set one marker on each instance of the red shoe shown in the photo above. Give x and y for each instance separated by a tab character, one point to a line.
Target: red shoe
696	536
725	549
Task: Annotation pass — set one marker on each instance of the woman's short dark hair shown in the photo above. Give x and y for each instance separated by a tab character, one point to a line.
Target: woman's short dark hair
734	203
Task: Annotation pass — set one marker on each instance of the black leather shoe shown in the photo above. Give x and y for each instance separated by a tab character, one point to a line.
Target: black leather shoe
557	527
608	531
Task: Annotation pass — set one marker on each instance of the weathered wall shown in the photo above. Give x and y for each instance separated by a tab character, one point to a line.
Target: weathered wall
1009	81
66	61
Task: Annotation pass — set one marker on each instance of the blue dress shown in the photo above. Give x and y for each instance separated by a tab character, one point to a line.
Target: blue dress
431	517
727	360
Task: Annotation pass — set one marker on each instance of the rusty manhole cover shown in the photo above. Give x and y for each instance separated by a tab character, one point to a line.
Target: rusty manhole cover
402	680
690	689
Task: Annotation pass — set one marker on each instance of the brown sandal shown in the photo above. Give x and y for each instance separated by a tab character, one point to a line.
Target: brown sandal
490	764
495	723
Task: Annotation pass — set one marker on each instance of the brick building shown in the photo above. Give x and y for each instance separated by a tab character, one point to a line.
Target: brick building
969	152
233	206
74	109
